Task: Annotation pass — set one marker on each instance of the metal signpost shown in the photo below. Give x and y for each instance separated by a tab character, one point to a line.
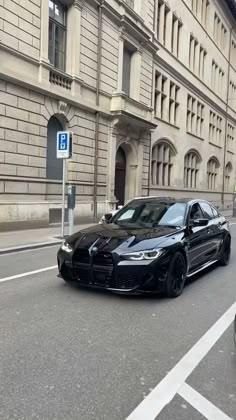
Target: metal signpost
71	201
64	151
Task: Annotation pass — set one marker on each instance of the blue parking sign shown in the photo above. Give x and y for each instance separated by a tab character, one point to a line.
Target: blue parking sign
64	146
62	141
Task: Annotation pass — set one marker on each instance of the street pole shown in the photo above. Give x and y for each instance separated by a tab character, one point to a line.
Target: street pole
63	198
71	220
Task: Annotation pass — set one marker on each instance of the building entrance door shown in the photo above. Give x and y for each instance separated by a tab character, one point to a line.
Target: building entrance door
120	176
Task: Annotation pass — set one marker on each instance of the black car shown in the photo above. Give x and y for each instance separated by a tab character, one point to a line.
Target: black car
151	245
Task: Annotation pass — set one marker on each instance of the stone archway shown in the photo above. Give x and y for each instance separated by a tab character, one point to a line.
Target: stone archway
53	166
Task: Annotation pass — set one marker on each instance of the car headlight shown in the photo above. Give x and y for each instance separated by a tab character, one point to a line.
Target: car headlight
143	255
66	247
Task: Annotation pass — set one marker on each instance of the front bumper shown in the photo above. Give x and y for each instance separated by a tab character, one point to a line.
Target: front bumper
129	277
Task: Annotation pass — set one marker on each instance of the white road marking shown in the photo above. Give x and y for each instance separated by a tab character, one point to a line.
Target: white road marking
165	391
29	273
201	404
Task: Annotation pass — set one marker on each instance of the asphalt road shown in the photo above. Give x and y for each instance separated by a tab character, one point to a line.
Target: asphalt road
79	354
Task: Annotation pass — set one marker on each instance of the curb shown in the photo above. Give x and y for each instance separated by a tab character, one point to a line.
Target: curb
29	247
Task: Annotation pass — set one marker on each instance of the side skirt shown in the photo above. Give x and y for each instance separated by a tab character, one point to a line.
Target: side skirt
193	273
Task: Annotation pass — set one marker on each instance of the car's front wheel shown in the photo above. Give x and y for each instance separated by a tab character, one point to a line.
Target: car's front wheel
225	252
176	275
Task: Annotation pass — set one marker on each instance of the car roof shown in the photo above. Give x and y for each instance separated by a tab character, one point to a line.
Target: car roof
189	201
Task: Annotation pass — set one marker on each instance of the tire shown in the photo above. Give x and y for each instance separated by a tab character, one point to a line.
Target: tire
176	276
225	252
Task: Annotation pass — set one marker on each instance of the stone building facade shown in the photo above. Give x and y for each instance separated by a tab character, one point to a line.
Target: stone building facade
193	147
147	87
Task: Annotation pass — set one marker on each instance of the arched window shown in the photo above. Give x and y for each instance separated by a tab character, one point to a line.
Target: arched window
54	166
212	173
191	169
228	170
162	162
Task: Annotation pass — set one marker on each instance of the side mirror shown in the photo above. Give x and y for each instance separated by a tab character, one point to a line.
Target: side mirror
107	217
200	222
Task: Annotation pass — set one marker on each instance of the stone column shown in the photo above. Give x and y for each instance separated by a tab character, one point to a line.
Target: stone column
139	169
74	39
111	165
43	71
135	71
161	23
120	64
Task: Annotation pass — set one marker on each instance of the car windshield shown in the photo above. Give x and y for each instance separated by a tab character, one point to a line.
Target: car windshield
150	214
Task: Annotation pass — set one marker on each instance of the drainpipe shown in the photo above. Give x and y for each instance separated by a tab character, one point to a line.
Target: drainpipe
100	6
226	121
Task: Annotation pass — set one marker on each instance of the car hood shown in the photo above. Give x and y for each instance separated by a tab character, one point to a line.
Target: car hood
111	237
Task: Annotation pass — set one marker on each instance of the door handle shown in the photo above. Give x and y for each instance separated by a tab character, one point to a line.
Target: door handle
208	230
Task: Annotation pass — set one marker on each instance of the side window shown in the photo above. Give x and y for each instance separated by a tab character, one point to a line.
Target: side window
215	212
207	211
196	212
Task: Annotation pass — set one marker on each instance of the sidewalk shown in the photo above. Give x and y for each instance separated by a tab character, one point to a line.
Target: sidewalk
34	238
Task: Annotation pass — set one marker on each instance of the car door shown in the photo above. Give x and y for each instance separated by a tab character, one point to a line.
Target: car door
197	238
215	232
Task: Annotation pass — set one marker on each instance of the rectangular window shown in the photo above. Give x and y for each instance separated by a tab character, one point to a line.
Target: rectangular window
232	94
212	127
204	12
175	35
160	95
197	57
127	56
218	131
166	105
217	78
162	21
233	53
173	104
57	34
200	10
219	32
215	129
230	138
195	116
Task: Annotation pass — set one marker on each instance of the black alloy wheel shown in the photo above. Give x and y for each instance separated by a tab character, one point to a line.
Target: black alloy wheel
176	275
225	252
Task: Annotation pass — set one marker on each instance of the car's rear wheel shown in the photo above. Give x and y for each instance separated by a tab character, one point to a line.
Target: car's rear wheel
176	275
226	251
